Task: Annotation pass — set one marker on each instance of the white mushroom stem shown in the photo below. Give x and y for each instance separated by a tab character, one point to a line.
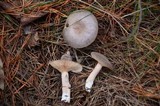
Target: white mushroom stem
92	76
65	87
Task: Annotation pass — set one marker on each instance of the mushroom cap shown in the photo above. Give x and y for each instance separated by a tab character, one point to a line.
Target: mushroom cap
66	66
80	29
102	60
66	56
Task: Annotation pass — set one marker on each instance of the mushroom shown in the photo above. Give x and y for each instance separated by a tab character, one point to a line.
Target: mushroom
80	29
102	62
66	56
64	66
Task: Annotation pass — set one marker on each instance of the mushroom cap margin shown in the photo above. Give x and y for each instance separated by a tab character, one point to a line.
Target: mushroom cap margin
66	66
102	60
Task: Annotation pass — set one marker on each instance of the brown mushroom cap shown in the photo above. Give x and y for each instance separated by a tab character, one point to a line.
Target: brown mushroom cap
80	29
66	66
102	60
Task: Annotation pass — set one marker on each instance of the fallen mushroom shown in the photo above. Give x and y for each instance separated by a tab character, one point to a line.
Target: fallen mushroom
64	66
1	76
80	29
102	62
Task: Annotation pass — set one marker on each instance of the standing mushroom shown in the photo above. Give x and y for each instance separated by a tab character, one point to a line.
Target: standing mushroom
64	66
102	61
80	29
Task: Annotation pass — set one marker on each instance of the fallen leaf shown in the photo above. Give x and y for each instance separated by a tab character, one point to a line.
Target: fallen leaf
9	9
34	40
28	18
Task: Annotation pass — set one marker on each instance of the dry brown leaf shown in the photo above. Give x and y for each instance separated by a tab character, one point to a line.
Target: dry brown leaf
33	40
9	9
28	18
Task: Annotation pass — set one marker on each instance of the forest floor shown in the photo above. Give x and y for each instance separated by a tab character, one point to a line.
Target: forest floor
129	36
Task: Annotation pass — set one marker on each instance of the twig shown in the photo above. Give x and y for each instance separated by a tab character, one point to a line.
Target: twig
138	11
138	19
105	13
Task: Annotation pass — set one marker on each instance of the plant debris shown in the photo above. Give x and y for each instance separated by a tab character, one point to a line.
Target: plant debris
34	40
128	36
1	76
